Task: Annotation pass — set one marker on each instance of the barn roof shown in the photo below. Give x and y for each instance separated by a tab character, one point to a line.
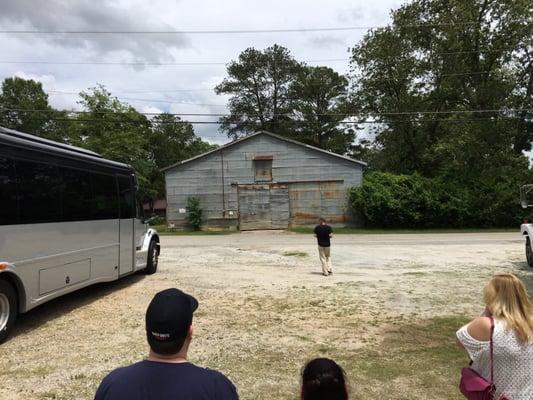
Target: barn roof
179	163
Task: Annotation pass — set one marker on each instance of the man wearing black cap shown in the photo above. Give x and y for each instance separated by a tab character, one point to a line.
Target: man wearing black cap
323	234
166	373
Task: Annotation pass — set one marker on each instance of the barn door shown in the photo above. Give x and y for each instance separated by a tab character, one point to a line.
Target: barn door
254	207
279	206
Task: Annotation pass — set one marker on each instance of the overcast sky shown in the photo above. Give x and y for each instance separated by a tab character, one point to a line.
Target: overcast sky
170	88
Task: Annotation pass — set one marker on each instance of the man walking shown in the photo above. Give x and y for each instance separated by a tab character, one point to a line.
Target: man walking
324	233
166	373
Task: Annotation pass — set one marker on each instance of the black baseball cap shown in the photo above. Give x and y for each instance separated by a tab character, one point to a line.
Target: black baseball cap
168	318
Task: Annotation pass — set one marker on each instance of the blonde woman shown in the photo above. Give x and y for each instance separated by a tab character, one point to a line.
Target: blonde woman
506	300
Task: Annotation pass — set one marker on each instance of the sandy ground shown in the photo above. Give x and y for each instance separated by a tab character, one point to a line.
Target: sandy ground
264	308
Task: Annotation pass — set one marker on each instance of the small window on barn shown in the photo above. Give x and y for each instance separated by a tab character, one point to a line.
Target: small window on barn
263	168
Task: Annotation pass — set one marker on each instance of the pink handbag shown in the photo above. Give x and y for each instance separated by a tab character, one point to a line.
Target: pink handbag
473	386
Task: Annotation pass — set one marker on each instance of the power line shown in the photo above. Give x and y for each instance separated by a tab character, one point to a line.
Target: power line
450	112
206	63
234	31
169	101
199	63
221	105
148	64
258	123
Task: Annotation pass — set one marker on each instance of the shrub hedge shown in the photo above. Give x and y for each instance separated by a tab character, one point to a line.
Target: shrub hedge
411	201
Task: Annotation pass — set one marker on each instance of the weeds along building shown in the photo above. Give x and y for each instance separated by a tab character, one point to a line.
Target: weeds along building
263	181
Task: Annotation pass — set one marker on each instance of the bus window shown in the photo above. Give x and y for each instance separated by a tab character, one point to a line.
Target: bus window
105	197
78	197
127	197
38	192
8	193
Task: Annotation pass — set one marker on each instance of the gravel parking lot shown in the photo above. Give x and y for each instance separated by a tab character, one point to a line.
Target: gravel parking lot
391	305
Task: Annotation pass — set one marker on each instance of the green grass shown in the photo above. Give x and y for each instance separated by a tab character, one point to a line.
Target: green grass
421	356
163	230
370	231
295	254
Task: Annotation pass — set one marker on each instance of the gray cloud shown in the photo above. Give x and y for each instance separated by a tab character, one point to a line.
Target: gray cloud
356	15
85	15
168	83
327	41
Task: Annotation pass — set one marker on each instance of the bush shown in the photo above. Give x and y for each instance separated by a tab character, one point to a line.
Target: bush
412	201
156	220
194	212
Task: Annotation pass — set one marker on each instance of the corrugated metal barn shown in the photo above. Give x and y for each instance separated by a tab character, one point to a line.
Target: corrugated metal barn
263	181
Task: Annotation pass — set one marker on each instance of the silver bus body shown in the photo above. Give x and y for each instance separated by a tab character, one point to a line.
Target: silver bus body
44	259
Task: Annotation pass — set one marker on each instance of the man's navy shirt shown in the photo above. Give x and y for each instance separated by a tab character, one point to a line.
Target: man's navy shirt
322	233
152	380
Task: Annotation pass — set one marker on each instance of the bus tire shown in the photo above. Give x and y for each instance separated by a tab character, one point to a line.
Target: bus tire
529	252
8	309
153	258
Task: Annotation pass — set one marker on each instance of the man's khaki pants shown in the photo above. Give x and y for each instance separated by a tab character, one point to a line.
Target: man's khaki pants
325	259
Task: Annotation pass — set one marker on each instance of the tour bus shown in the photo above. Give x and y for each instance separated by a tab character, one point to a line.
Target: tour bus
68	219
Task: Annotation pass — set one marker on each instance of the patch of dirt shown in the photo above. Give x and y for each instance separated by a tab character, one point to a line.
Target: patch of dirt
264	308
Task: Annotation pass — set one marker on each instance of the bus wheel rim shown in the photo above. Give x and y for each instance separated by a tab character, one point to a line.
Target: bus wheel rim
4	311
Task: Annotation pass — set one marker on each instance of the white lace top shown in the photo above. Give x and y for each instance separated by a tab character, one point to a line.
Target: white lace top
513	361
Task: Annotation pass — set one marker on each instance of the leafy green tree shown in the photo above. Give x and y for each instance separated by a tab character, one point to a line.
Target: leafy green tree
437	56
171	140
24	106
259	83
116	131
320	106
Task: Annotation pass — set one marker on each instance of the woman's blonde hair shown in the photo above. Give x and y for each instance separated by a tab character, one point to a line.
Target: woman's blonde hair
506	298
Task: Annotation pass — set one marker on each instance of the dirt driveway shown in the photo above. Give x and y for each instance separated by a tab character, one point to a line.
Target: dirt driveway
388	313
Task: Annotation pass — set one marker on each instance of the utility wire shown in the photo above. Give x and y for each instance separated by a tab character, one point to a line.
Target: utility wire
7	109
234	31
169	101
148	64
220	105
258	123
197	63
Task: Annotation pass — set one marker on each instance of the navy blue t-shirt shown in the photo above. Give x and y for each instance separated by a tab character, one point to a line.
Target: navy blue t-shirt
152	380
322	233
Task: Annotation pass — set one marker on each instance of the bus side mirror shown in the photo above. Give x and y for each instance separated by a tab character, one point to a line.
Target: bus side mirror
524	194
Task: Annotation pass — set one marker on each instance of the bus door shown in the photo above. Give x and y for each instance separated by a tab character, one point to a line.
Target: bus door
127	228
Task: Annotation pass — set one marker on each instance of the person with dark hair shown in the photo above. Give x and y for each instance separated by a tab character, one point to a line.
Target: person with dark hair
323	379
323	234
166	373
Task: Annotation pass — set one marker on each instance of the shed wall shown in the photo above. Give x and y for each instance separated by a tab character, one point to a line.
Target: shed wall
215	178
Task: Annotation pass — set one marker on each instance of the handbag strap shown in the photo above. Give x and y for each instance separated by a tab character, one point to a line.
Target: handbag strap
491	350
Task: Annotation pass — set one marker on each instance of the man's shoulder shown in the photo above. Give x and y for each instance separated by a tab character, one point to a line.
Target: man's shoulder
120	372
221	383
215	375
192	376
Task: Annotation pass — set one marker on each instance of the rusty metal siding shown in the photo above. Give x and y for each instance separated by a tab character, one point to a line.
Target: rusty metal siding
312	200
216	177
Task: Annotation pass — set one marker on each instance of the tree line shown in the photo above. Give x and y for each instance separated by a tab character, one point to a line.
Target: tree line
442	97
107	126
442	102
